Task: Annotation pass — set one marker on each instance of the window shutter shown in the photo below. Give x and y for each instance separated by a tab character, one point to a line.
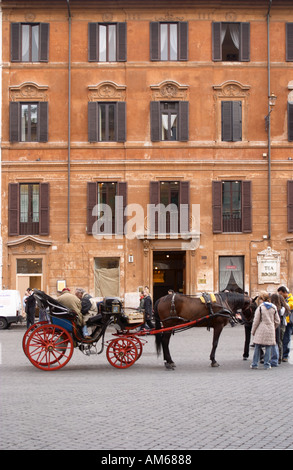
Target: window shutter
14	128
246	207
244	48
290	205
43	108
183	121
44	42
217	206
121	218
227	121
155	121
184	209
183	40
44	209
92	42
216	40
92	121
154	41
290	121
91	202
237	120
122	42
13	209
153	223
289	42
121	121
15	42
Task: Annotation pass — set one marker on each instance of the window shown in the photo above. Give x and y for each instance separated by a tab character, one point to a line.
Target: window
232	206
170	205
290	121
290	205
107	121
231	273
107	42
169	41
289	42
169	120
28	206
231	41
29	122
231	119
29	42
106	202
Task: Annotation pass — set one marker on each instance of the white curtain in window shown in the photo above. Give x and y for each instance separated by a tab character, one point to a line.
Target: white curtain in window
102	43
25	43
225	273
112	43
163	41
223	32
173	41
35	43
235	34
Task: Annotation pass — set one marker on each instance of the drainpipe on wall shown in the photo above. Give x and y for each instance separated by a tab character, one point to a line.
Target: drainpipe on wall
69	121
1	244
269	122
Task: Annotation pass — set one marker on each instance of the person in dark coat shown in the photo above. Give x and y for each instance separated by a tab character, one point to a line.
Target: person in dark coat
148	309
30	307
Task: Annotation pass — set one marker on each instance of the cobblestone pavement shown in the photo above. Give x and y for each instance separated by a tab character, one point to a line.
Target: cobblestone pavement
90	405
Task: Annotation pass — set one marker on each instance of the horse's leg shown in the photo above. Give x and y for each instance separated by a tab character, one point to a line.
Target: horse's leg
217	331
169	364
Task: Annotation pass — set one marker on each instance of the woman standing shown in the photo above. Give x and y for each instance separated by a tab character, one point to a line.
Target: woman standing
266	320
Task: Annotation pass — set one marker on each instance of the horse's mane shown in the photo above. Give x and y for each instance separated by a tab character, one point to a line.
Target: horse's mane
234	299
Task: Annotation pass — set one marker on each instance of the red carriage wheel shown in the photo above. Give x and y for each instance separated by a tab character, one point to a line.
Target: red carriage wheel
29	332
138	344
49	347
122	352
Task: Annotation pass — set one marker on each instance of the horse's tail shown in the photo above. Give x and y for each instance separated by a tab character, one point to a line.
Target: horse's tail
158	327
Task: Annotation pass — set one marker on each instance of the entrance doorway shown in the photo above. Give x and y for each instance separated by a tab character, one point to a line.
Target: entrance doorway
168	272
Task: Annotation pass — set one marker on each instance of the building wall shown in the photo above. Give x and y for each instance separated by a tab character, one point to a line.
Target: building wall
68	252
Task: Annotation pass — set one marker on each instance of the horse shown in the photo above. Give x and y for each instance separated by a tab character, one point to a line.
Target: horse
176	309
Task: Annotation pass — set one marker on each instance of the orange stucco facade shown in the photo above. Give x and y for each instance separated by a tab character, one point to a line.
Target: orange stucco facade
68	161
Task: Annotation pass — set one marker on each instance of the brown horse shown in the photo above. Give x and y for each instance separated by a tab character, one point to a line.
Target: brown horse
178	309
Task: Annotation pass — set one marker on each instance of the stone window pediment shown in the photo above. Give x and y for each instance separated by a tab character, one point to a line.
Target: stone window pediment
169	90
29	91
106	91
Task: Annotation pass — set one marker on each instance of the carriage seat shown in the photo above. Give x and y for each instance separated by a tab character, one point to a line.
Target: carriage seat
55	307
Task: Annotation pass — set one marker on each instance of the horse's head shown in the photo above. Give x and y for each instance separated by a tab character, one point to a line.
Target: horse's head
249	308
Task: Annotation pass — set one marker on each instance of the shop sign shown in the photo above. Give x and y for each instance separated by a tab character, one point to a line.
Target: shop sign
269	262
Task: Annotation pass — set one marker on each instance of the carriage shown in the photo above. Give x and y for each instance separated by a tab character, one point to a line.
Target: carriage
49	345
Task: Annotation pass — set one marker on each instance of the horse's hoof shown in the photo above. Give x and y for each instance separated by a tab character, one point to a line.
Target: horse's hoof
170	365
215	364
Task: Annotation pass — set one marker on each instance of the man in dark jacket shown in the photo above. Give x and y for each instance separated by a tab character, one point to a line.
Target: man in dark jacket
30	307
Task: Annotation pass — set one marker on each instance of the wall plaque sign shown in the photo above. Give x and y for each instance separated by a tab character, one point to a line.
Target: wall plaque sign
269	262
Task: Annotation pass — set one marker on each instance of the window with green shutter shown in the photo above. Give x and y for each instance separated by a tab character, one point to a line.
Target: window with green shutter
29	42
231	120
231	42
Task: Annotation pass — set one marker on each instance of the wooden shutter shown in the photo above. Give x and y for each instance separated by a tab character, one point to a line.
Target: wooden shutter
92	121
155	121
290	121
44	209
290	205
227	129
43	109
289	42
183	121
216	41
15	42
91	202
44	42
184	209
246	207
121	218
121	42
14	124
183	40
153	223
244	47
237	120
92	42
217	206
13	209
154	41
121	121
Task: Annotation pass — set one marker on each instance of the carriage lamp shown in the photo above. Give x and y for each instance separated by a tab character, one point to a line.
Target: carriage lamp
116	306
